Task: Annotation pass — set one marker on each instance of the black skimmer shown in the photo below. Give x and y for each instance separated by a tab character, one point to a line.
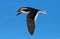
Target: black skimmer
31	17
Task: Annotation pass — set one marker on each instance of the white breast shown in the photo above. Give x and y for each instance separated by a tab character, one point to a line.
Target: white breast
36	16
40	12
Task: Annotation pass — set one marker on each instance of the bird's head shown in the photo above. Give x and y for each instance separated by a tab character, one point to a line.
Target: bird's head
23	10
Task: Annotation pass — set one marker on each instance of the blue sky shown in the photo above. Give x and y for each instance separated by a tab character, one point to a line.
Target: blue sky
14	27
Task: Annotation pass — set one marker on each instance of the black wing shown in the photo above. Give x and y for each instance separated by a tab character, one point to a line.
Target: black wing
30	24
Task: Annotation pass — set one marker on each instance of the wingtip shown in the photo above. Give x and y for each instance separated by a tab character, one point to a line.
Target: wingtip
31	33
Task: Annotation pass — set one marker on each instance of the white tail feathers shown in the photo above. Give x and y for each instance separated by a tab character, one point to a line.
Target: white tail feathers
42	12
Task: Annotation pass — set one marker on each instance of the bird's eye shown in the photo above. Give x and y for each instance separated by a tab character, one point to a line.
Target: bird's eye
26	10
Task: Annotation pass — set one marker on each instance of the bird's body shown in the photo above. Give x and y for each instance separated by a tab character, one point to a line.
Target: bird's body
31	20
31	17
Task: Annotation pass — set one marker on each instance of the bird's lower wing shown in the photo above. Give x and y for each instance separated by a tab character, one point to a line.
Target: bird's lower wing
30	25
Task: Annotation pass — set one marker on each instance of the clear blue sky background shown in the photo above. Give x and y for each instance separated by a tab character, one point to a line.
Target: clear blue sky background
14	27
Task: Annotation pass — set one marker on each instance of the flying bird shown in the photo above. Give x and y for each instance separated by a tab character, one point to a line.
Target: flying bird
31	17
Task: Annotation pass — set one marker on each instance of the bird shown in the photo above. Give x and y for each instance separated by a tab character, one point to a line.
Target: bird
32	14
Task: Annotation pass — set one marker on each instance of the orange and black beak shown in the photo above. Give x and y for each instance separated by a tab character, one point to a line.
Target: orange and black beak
19	13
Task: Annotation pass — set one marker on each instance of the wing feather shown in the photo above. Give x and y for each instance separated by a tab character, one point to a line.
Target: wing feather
30	25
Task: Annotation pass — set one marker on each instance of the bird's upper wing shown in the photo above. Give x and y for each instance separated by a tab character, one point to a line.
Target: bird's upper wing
30	25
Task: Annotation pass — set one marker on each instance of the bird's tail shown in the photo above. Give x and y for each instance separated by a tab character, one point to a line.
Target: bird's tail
42	12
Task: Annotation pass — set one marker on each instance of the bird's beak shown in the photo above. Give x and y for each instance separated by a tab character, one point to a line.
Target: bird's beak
19	13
